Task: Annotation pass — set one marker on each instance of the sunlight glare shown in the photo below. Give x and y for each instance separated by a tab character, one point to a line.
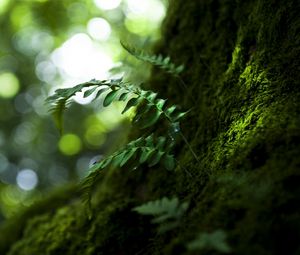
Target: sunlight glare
79	59
143	9
107	4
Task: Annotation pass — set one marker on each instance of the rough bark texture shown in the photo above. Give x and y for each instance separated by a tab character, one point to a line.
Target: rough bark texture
242	69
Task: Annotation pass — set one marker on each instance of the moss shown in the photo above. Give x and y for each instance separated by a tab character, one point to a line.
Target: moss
44	233
242	60
57	232
13	228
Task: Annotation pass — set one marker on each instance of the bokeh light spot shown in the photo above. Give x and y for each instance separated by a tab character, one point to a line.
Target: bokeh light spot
80	58
3	5
139	25
107	121
9	85
69	144
99	29
107	4
95	136
24	133
153	10
46	71
27	179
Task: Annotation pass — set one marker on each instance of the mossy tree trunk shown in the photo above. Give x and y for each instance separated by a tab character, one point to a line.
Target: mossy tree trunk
242	70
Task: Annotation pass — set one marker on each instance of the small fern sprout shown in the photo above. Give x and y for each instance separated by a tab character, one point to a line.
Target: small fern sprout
161	62
156	60
166	212
210	241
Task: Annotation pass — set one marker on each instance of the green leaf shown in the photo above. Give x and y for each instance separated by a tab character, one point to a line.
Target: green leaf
160	103
166	60
151	119
170	110
166	212
106	162
86	187
110	97
141	111
123	96
57	112
151	96
96	166
116	161
89	92
145	93
159	58
214	241
61	98
177	116
146	153
156	60
179	69
136	118
116	81
136	143
149	141
132	102
155	158
156	207
100	92
127	156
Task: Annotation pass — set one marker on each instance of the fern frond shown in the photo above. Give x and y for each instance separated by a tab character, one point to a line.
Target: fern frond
57	110
213	241
156	60
144	149
161	62
60	101
171	208
165	211
154	108
117	91
86	187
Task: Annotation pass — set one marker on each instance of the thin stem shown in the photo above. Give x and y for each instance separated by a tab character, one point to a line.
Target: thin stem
185	88
189	146
182	82
187	172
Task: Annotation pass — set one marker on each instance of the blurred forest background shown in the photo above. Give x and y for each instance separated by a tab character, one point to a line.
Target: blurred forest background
50	44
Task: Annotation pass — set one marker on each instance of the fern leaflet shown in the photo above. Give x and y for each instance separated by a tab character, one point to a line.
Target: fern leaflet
156	60
213	241
117	91
166	212
148	150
